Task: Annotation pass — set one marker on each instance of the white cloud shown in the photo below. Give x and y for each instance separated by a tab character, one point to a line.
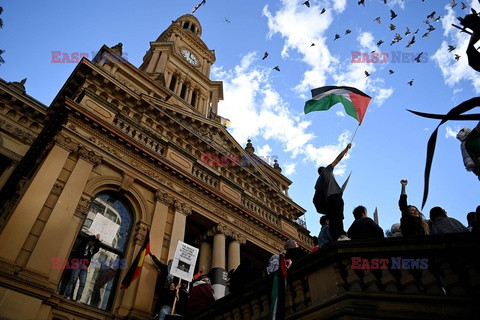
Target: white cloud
288	169
451	132
455	71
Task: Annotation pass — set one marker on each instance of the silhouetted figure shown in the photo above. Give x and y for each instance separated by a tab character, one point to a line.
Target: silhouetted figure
471	217
328	196
324	237
412	222
293	251
364	227
441	223
243	275
82	255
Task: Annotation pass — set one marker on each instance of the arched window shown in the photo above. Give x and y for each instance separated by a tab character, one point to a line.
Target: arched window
109	216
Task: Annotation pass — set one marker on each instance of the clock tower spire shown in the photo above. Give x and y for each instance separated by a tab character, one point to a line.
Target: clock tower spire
180	61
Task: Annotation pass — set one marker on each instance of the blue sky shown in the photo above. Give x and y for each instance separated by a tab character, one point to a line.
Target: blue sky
266	106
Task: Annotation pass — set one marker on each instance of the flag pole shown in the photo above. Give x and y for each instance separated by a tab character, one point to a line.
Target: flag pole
355	132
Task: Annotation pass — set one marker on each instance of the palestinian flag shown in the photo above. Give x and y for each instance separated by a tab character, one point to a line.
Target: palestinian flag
137	264
323	98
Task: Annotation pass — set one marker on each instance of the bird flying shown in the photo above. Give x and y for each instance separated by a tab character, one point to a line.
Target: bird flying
361	2
392	27
265	55
410	83
451	48
307	3
276	68
431	15
348	31
407	32
412	41
337	36
379	43
378	19
457	57
418	57
367	74
391	71
393	15
453	3
323	11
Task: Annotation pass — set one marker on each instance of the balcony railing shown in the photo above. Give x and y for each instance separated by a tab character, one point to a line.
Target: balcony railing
434	277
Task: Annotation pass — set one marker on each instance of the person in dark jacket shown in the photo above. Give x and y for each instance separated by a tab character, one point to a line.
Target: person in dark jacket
80	261
293	251
328	198
441	223
363	227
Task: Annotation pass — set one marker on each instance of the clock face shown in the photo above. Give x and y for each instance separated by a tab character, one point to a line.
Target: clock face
190	57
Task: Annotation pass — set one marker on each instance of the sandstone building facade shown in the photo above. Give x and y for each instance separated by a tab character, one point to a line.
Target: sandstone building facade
121	147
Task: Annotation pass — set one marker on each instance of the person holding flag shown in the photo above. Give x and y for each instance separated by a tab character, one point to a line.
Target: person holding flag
328	197
328	194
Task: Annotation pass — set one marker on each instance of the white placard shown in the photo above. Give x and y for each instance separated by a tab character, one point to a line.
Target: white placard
183	264
105	227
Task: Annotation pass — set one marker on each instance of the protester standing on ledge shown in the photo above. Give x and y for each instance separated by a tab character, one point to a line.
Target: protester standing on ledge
412	222
328	197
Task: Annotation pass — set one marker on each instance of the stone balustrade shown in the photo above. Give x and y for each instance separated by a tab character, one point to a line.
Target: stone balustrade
434	277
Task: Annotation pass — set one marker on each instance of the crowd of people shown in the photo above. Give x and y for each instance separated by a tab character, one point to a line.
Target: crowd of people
412	223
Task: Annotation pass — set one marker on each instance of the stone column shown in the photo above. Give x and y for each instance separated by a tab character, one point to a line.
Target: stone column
22	219
135	301
182	211
54	234
204	255
234	250
159	222
218	274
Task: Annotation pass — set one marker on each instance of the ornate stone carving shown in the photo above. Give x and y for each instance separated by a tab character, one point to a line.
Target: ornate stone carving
20	134
182	207
90	156
141	229
164	197
82	208
66	143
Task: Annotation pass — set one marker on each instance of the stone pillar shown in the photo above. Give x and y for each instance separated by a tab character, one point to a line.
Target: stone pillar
157	231
218	274
234	251
178	228
56	226
22	219
204	255
152	65
134	301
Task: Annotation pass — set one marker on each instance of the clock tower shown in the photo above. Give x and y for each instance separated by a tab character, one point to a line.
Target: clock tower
180	61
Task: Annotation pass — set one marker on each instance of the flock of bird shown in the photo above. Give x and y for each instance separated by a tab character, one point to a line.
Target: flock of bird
429	22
